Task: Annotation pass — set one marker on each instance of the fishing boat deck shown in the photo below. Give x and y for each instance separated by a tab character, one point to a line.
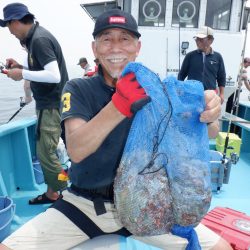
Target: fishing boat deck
24	212
22	187
234	195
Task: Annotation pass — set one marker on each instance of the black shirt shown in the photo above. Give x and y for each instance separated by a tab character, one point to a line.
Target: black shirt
84	98
43	48
209	69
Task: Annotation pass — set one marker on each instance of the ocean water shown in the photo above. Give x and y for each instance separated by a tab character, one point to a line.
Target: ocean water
11	91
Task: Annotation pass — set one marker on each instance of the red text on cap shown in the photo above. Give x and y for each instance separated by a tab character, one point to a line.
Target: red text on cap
117	19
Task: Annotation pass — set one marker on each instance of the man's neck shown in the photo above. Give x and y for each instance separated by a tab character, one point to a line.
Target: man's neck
111	81
207	50
27	28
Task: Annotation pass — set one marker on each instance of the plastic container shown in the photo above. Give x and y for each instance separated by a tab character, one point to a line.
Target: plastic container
230	224
7	212
38	171
220	173
234	142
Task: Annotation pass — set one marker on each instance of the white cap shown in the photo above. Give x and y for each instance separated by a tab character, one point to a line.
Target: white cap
204	31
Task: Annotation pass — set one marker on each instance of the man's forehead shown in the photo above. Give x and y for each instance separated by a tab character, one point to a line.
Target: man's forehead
115	31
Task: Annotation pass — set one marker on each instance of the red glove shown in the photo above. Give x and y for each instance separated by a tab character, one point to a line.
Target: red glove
129	96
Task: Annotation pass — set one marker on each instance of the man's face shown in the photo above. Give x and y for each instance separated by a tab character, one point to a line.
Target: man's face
83	64
114	48
247	64
15	29
203	43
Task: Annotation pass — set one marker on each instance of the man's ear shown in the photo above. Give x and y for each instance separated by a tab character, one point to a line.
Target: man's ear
138	48
94	48
211	39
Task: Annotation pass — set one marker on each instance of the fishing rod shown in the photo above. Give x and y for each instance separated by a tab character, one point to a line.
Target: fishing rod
22	104
236	93
3	70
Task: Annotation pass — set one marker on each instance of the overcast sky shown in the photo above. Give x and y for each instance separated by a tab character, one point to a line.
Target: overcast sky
66	20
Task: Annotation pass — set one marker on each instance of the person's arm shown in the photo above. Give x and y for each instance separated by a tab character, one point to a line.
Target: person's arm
247	84
212	112
92	133
221	78
184	68
213	129
84	138
221	94
244	78
27	92
50	74
12	63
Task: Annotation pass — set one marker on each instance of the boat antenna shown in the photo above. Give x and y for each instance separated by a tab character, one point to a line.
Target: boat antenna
236	91
22	104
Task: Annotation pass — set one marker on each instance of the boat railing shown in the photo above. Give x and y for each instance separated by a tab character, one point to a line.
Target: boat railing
17	148
242	120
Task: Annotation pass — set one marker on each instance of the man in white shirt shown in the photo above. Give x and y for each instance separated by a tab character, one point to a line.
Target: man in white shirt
83	62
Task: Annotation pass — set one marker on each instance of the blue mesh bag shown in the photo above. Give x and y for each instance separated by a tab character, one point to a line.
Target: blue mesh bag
162	184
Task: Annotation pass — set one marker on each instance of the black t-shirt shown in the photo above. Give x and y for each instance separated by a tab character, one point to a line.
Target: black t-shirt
209	70
43	48
84	98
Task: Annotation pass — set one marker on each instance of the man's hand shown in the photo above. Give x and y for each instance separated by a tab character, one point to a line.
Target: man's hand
27	99
11	64
213	107
129	96
221	98
15	74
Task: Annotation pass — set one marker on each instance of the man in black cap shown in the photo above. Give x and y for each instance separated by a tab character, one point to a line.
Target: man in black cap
97	115
47	74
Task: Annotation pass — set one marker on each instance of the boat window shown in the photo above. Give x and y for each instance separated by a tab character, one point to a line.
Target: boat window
152	13
245	18
218	14
185	13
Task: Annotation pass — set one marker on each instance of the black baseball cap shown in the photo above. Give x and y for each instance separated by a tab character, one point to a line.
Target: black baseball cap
116	18
14	11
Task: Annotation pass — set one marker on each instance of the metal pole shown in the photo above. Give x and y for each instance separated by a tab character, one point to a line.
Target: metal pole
236	93
237	98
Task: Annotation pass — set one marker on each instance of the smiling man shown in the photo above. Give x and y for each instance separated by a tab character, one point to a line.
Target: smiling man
97	115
